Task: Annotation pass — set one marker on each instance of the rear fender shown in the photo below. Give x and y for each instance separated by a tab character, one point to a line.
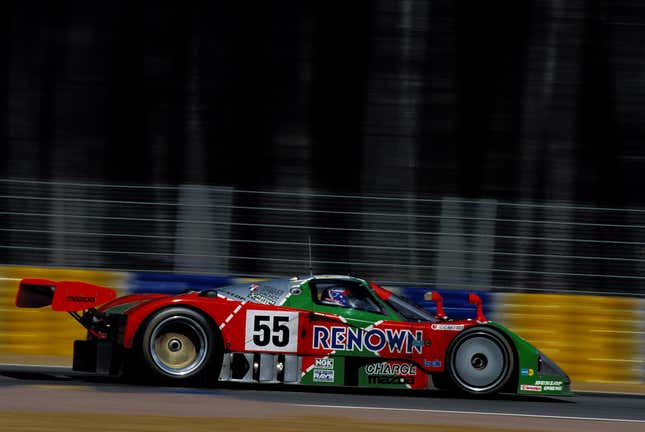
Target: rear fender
215	310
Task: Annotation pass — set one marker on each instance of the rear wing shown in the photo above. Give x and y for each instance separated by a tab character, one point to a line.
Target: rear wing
63	296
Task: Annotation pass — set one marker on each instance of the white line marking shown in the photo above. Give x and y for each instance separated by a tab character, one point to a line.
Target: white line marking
617	331
609	392
557	417
28	365
230	317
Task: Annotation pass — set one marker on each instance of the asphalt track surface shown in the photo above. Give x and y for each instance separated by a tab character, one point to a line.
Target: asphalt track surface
55	389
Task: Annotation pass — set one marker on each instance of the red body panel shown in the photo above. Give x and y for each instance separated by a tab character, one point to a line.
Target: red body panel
77	296
131	298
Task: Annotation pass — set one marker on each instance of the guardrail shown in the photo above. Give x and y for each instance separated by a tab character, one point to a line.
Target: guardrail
446	242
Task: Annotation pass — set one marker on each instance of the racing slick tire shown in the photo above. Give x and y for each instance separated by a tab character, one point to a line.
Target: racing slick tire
179	345
480	361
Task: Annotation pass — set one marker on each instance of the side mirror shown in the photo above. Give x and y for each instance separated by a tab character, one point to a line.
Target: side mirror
436	297
477	301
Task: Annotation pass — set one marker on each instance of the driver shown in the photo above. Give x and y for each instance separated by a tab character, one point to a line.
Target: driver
336	296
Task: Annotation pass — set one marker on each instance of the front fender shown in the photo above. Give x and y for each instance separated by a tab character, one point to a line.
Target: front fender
536	373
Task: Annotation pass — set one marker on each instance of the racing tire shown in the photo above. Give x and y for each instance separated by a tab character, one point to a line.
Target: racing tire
180	346
480	361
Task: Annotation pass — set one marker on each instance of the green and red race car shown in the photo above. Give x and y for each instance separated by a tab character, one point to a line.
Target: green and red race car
311	330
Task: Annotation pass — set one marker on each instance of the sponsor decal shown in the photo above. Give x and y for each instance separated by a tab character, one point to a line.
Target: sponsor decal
550	385
271	331
266	294
552	388
80	299
452	327
548	382
390	379
232	295
527	372
259	298
374	340
253	287
388	368
324	363
432	363
532	388
324	375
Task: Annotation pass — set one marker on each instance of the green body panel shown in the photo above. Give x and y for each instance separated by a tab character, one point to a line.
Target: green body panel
355	318
300	301
530	381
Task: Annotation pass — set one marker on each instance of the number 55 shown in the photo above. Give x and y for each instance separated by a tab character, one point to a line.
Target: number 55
271	330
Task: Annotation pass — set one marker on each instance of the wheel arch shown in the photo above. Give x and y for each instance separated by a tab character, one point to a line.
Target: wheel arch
511	384
140	315
139	331
134	367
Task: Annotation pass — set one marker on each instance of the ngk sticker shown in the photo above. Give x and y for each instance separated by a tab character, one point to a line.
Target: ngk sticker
324	363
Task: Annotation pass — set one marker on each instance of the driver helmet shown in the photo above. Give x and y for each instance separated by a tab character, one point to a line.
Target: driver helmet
336	295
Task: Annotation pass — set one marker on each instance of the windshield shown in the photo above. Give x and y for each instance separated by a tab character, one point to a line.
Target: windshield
409	310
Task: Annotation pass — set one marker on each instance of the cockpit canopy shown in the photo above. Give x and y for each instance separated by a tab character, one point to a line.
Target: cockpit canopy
346	293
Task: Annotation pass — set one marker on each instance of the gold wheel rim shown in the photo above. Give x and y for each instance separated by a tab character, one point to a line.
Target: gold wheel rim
175	350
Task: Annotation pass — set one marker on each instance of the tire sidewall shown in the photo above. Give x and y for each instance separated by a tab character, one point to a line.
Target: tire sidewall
500	341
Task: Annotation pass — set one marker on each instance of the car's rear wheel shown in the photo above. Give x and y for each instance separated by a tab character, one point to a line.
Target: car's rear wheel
480	361
179	345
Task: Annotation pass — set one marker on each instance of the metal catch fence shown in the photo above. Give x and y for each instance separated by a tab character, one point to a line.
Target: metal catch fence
445	242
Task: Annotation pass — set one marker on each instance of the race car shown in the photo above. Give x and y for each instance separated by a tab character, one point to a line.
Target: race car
323	330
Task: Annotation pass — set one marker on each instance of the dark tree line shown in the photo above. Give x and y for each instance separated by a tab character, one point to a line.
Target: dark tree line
538	100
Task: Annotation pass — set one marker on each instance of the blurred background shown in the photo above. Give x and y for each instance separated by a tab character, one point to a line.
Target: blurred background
453	145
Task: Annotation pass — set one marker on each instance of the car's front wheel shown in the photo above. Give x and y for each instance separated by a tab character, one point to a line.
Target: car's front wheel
480	361
179	345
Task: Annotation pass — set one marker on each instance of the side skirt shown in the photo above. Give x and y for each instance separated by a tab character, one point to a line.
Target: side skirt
261	367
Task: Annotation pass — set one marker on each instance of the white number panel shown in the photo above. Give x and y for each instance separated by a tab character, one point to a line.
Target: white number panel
271	331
